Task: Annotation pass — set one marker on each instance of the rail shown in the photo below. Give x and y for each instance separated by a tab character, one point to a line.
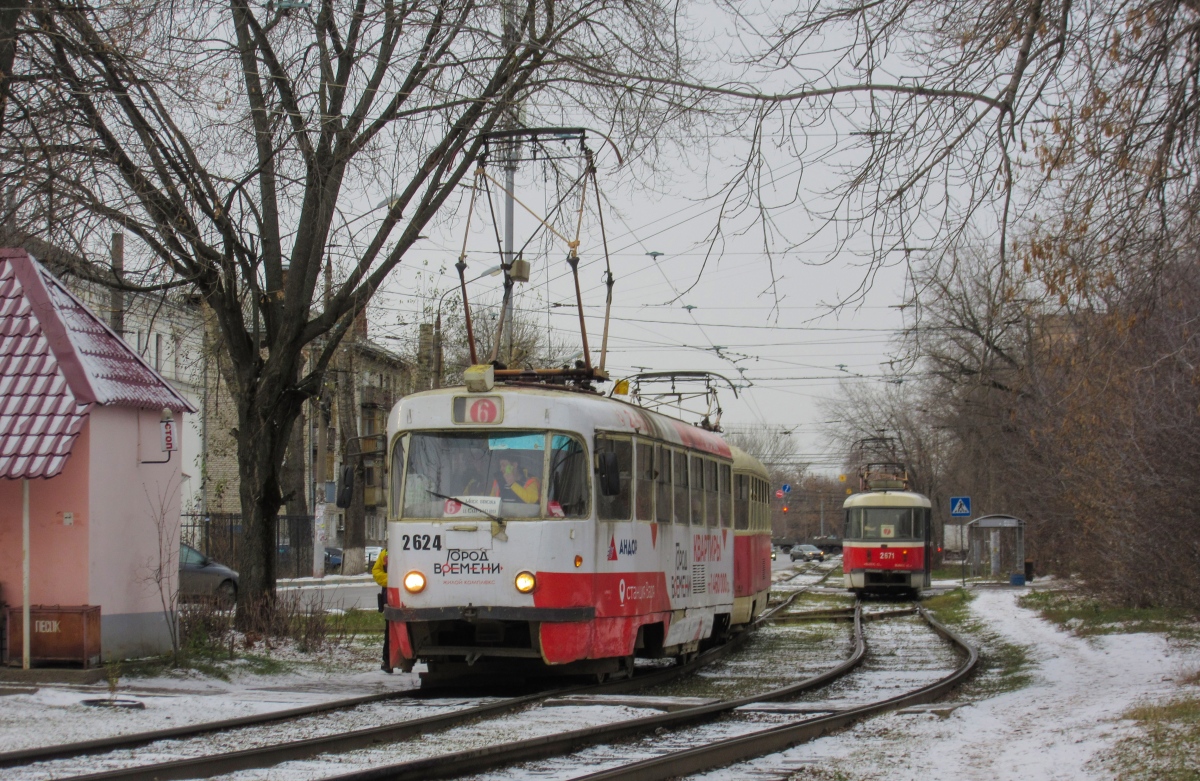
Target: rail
266	756
478	760
726	752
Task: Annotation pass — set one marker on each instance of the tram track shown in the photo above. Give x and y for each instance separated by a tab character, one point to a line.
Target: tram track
138	739
276	753
720	752
480	760
740	748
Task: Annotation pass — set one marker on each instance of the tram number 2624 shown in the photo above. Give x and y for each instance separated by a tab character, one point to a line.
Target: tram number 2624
421	541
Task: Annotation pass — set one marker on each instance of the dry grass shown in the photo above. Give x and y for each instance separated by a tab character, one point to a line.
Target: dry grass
1168	746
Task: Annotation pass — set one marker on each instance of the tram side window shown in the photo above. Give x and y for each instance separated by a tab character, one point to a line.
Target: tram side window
754	503
765	507
725	490
397	472
741	502
681	488
662	499
568	478
697	484
711	511
616	508
644	493
853	524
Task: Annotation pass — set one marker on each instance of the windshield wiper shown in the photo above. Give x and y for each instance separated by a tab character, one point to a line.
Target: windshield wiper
495	518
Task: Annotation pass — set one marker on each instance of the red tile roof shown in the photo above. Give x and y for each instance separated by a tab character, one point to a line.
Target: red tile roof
56	360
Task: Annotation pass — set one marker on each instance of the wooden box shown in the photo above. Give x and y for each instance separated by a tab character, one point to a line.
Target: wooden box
59	634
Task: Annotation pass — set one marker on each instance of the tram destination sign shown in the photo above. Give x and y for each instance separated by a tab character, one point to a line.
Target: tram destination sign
960	506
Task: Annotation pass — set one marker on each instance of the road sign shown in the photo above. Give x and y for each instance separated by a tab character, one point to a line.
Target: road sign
787	489
960	506
779	493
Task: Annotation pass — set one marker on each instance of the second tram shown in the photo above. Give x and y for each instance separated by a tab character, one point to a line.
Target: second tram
886	545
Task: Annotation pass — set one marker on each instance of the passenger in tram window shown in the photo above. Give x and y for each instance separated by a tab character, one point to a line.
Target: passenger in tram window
516	482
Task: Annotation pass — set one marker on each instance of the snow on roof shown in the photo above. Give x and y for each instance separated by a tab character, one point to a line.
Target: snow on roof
56	360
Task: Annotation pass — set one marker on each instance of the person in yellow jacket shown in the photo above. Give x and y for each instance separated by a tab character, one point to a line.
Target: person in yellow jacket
527	491
379	572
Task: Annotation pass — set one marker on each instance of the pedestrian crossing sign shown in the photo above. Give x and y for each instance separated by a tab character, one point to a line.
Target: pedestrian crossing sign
960	506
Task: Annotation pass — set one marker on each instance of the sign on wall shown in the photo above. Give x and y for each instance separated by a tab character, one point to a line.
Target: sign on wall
167	431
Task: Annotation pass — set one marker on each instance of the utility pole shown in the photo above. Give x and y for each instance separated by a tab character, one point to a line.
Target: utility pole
509	39
822	516
320	517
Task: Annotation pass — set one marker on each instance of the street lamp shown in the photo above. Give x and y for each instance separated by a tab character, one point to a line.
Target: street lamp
436	359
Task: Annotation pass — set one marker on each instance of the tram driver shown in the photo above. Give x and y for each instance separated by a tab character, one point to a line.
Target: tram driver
516	481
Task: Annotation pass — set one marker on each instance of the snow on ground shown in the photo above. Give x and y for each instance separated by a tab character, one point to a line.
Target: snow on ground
55	714
1056	728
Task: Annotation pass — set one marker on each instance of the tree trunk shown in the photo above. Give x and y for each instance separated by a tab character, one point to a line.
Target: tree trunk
354	537
10	12
266	416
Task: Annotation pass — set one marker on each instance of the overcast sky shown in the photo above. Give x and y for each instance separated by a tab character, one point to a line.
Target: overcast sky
782	341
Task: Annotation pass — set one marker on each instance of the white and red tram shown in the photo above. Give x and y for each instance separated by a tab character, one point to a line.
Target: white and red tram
886	547
553	529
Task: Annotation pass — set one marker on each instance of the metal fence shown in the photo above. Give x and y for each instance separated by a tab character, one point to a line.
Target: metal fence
219	536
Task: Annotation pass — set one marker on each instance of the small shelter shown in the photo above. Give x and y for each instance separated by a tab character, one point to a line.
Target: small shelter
89	500
1003	537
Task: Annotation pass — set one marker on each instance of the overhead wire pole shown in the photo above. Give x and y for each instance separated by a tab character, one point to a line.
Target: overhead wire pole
510	180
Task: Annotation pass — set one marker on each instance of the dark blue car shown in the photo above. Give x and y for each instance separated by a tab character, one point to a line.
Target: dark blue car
333	559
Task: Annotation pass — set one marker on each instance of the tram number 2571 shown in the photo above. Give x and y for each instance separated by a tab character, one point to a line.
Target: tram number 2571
421	542
887	554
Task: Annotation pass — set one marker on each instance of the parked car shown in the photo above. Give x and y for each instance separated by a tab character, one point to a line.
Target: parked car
807	553
333	559
202	578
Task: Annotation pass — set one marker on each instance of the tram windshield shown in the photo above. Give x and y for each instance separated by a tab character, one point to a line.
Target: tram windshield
886	523
516	474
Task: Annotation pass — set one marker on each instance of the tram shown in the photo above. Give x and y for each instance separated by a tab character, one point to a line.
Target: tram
886	545
541	528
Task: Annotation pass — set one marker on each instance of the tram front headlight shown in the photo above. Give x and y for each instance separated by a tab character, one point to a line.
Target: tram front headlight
414	582
525	582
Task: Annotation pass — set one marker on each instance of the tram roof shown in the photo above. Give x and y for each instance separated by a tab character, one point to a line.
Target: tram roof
887	499
602	412
743	461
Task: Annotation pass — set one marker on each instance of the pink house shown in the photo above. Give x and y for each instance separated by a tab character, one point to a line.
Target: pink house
79	429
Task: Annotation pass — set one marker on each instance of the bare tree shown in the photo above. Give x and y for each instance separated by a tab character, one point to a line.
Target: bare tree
957	117
245	146
529	345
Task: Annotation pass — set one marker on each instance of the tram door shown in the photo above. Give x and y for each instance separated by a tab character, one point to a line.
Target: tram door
928	581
